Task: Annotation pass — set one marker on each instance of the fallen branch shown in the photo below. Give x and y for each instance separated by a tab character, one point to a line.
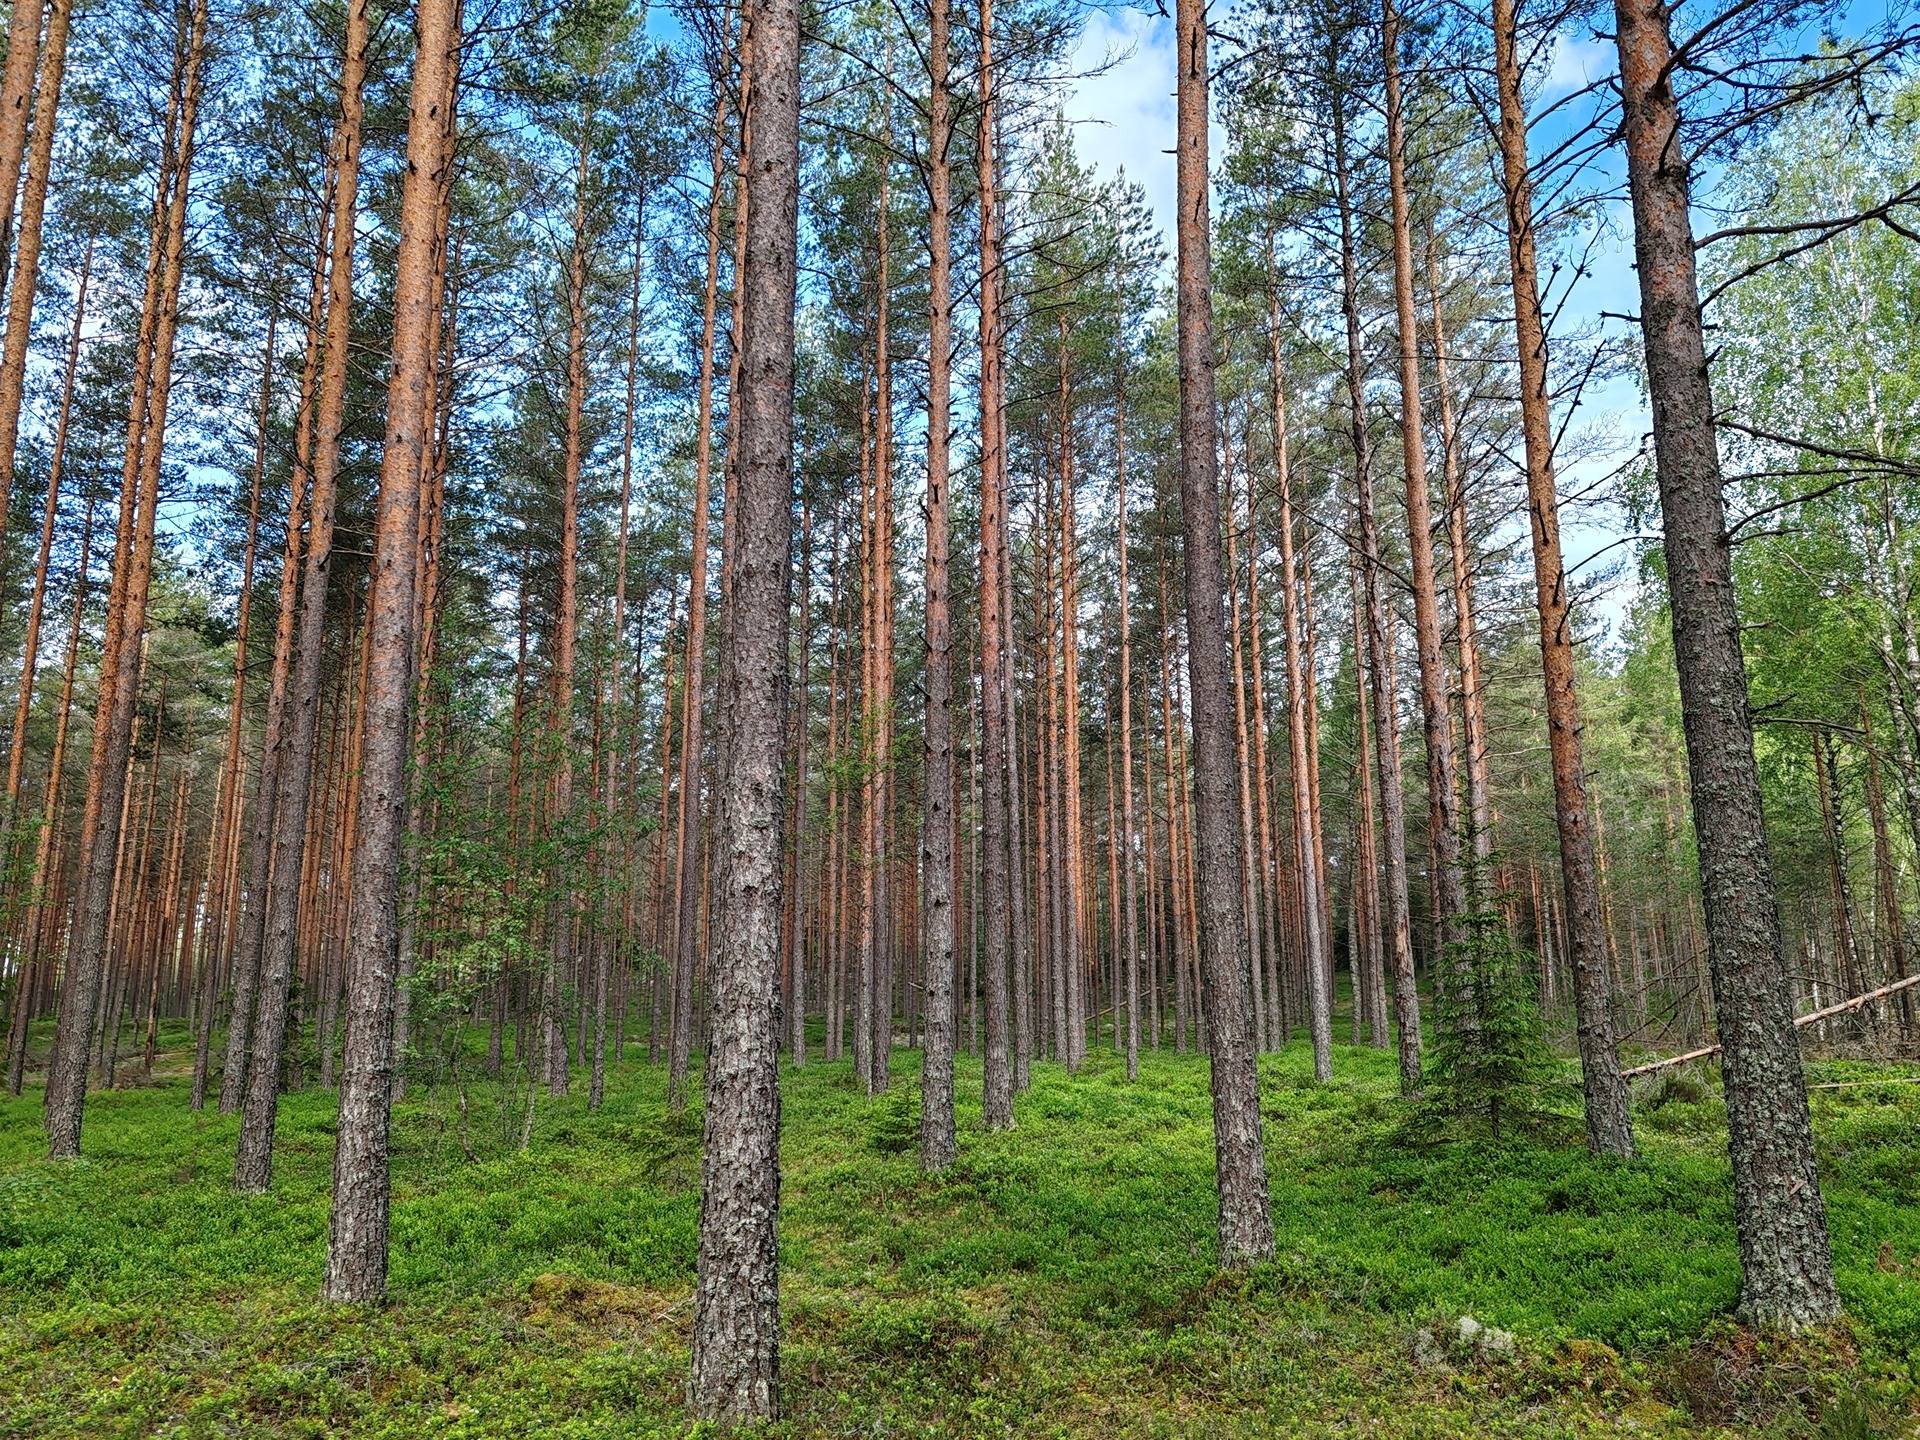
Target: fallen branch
1799	1021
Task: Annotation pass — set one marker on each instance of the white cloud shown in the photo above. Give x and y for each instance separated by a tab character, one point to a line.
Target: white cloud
1575	62
1124	115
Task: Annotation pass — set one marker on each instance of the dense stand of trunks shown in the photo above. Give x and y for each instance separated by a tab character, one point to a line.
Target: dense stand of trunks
1065	862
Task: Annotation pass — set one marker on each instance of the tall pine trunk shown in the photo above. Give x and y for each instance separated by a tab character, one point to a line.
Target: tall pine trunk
1300	761
686	875
1396	925
33	206
253	1161
1475	756
1129	901
997	805
16	100
1785	1259
101	826
736	1332
566	623
1443	819
31	969
357	1239
253	919
1609	1127
936	839
37	605
225	837
1246	1224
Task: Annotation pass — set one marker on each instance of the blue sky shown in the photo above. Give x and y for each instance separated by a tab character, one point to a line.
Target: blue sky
1125	121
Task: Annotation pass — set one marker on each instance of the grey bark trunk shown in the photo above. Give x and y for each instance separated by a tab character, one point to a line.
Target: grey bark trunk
736	1330
936	842
1246	1223
687	881
1785	1259
996	878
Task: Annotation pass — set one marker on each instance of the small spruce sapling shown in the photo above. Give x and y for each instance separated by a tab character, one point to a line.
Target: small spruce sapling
1490	1069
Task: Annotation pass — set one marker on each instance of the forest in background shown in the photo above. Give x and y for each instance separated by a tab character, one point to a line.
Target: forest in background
449	657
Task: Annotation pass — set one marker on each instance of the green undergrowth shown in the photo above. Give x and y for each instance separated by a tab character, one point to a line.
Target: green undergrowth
1059	1281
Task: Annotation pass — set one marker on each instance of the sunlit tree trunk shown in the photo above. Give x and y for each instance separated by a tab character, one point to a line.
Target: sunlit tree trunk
253	1163
1300	761
996	878
1129	900
33	205
1609	1127
832	924
252	920
16	106
225	838
866	986
566	908
1022	898
168	898
875	1007
31	980
126	612
886	918
1475	756
1073	824
1049	888
1243	757
1267	868
37	604
356	1268
625	725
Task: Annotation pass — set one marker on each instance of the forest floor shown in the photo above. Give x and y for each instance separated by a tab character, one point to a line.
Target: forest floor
1059	1282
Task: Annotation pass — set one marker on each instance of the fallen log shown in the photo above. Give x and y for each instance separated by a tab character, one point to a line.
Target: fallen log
1809	1018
